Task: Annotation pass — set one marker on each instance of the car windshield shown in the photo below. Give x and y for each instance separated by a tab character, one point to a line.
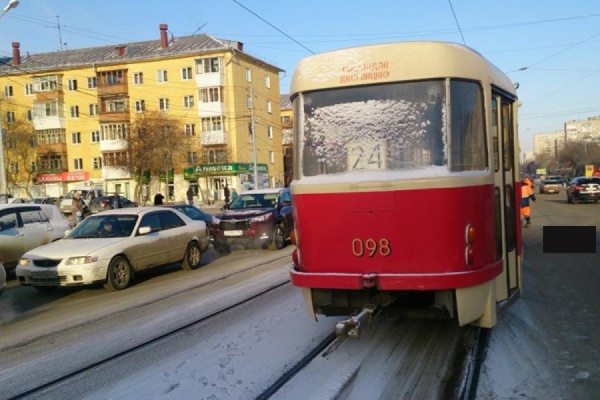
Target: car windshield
101	226
552	182
254	200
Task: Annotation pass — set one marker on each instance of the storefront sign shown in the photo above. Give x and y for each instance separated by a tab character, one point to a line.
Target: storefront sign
63	177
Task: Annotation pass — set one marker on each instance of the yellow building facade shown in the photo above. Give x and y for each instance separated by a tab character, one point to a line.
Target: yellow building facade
81	105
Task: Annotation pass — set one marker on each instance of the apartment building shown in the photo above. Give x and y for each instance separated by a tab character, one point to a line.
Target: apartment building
82	104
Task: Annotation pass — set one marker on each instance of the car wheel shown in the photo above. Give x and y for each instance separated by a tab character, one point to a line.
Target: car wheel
278	238
192	257
119	274
45	289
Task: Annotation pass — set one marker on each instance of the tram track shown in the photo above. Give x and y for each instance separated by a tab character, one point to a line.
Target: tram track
165	336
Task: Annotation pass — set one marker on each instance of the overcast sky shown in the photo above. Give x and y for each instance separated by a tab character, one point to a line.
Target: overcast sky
550	47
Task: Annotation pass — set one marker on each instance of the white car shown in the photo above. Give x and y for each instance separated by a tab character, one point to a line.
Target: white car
2	276
111	246
24	227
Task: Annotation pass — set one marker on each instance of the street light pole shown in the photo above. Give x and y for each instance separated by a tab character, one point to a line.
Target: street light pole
11	4
254	139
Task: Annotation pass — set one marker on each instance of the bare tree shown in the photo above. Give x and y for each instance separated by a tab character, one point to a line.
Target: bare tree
19	152
156	144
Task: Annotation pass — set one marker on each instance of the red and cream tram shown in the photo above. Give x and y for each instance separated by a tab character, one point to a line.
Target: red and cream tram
405	182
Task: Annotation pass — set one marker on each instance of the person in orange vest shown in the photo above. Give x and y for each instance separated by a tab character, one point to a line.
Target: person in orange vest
526	196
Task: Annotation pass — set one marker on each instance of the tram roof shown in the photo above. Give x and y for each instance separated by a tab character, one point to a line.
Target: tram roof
393	62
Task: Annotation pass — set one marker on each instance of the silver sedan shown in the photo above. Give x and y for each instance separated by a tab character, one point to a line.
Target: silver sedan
110	247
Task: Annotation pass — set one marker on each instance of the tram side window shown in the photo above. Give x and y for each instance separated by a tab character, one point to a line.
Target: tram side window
468	148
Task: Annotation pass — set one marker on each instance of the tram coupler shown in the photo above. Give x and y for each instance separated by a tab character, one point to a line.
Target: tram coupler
351	327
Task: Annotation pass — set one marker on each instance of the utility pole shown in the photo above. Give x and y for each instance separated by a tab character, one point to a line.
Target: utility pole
253	138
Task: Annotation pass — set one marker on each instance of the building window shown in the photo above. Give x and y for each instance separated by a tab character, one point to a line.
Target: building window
72	84
29	115
49	109
210	95
95	137
13	167
208	65
93	110
45	83
269	109
192	157
76	137
138	78
33	166
115	159
51	136
97	163
29	89
92	83
286	119
272	157
163	104
162	75
248	75
78	164
8	91
113	132
190	130
267	81
212	124
270	132
116	105
186	73
112	77
140	106
248	101
74	111
188	101
10	117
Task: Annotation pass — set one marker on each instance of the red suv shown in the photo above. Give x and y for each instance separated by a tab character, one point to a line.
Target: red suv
257	217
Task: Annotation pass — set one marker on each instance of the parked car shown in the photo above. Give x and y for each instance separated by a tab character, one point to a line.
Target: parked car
583	188
110	247
194	213
26	226
19	200
2	276
255	217
551	186
104	203
67	202
44	200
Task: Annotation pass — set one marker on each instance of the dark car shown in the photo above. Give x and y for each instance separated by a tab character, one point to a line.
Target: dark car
551	186
257	217
194	213
103	203
583	188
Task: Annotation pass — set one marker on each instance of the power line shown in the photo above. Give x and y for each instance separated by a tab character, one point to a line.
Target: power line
457	23
273	26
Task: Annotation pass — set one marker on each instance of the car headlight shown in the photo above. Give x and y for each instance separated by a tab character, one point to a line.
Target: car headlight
80	260
262	218
25	262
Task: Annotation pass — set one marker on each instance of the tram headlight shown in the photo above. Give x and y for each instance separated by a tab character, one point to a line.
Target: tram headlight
469	234
468	255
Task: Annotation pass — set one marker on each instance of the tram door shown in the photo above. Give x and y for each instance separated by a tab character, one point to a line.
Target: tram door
505	173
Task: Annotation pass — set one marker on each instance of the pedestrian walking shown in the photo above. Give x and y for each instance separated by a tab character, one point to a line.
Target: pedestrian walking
234	194
116	201
527	195
158	199
77	207
190	195
226	194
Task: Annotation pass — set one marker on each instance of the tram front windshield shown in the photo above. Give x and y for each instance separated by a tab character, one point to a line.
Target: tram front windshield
393	127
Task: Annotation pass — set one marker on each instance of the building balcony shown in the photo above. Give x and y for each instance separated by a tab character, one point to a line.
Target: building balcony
116	172
209	138
113	145
51	122
49	96
212	109
52	148
112	89
52	170
108	117
210	79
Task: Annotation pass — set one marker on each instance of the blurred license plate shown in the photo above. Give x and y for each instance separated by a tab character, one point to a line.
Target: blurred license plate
232	233
44	274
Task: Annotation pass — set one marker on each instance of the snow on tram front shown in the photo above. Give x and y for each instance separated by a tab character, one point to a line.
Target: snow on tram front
405	183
